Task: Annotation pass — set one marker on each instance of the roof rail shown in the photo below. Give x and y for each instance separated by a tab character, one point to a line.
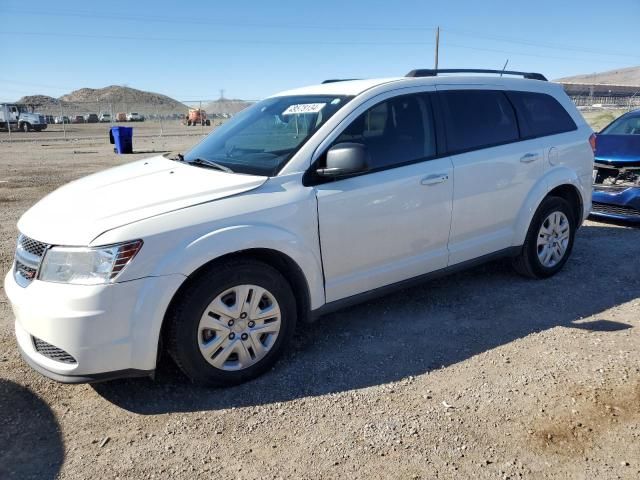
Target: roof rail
428	72
334	80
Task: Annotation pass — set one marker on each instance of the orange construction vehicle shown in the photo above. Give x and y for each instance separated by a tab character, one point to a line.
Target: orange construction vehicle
196	116
121	117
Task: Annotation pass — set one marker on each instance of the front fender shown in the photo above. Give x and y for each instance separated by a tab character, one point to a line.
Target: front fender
186	256
550	180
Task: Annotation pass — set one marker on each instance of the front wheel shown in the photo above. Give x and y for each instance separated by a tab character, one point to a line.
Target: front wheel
25	127
549	240
232	323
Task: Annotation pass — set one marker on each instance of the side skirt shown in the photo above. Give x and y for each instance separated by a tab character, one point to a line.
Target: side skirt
387	289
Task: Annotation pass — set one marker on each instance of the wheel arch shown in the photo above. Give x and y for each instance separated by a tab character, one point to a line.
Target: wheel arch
283	263
560	182
572	196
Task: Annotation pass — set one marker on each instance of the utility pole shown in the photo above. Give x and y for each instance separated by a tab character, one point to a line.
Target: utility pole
437	45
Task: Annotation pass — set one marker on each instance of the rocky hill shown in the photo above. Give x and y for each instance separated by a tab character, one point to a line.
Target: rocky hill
116	94
623	76
39	100
109	99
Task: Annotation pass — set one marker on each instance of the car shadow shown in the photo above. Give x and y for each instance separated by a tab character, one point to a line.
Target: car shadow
414	331
31	445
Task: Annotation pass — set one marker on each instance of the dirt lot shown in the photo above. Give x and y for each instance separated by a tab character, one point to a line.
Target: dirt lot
479	375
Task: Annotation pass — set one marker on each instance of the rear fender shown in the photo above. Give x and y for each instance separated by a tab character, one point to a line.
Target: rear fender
552	179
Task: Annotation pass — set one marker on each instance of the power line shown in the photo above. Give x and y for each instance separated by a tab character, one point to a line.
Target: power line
199	21
293	44
523	54
563	47
351	27
204	40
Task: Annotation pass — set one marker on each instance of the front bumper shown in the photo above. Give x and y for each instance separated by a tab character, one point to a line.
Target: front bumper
616	204
108	331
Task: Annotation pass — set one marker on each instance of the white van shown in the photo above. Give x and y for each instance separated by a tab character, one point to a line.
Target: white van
307	201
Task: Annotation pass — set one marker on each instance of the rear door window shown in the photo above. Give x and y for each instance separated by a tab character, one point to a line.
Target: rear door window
540	114
477	119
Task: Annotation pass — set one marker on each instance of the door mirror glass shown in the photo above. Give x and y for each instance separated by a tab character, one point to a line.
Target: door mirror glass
345	159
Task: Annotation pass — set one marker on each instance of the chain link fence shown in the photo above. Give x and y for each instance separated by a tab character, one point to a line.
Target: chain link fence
65	120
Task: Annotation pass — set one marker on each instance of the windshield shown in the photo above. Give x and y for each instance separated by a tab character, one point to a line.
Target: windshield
624	126
262	138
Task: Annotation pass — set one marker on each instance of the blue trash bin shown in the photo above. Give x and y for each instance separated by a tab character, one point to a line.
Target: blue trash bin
122	137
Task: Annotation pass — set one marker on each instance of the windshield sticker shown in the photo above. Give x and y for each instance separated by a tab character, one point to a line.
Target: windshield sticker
304	108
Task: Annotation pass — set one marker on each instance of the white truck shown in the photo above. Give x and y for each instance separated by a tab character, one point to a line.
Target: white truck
13	115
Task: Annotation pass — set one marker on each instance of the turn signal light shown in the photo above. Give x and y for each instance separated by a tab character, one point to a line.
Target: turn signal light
592	142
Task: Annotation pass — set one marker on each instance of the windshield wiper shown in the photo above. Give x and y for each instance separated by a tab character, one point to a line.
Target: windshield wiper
212	164
201	161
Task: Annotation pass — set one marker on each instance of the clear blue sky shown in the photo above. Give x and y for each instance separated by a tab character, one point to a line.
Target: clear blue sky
191	49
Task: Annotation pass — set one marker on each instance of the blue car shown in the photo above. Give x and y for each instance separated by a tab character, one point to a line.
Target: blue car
616	188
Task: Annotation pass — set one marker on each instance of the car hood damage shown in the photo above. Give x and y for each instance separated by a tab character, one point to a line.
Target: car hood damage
618	151
80	211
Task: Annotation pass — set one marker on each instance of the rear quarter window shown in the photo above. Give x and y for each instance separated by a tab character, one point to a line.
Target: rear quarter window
477	118
540	114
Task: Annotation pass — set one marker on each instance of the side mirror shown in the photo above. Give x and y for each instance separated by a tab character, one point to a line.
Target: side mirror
345	159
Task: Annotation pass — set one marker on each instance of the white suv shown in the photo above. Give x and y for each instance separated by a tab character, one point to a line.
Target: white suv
309	200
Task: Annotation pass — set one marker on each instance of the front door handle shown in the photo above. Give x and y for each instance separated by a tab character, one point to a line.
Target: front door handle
435	179
529	157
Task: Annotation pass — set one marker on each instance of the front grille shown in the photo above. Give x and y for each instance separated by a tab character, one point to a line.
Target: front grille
32	246
29	253
27	273
607	208
51	351
41	118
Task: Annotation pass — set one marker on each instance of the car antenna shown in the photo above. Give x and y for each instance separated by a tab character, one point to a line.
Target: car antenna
505	67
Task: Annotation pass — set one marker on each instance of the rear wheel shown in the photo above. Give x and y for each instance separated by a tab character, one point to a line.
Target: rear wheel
549	240
232	323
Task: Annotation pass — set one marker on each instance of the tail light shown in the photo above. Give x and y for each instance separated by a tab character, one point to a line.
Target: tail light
592	142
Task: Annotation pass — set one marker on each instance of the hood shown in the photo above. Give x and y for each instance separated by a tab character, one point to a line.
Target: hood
78	212
618	150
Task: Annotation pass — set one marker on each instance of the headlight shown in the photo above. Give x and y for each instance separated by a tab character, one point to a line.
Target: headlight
87	266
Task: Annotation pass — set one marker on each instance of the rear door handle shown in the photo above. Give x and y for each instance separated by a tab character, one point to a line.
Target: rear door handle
435	179
529	157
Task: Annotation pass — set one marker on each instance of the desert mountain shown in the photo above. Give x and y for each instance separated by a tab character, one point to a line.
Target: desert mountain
118	94
622	76
113	99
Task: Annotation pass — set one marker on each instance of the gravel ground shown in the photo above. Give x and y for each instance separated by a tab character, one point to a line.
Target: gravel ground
478	375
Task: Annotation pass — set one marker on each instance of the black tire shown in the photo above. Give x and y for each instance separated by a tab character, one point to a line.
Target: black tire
208	123
25	127
184	317
527	262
